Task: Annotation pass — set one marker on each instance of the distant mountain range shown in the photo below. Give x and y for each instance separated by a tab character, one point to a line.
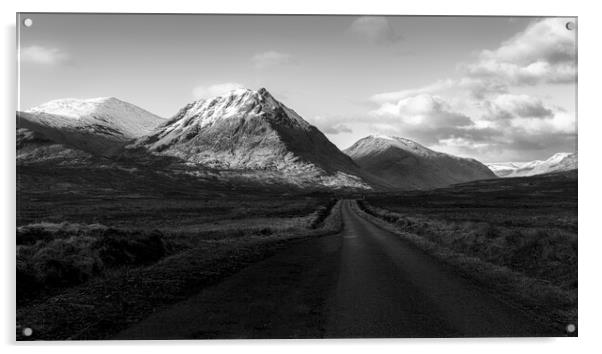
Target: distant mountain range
560	162
243	135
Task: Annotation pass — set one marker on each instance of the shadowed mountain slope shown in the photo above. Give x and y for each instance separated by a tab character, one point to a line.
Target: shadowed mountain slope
406	164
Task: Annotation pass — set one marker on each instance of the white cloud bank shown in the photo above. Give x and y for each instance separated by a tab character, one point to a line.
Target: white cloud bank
331	125
43	55
544	53
210	91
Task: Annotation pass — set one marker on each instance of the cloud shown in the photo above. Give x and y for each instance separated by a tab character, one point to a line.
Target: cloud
544	40
428	119
509	106
500	124
398	95
270	59
522	75
523	127
331	125
374	29
516	147
337	129
476	88
480	113
558	123
210	91
43	55
420	109
545	52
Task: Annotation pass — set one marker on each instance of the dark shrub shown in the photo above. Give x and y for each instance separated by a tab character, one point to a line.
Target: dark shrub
27	284
118	247
63	262
31	235
264	231
68	261
322	213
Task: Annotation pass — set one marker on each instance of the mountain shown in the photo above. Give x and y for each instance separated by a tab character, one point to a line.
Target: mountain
99	126
406	164
562	161
250	130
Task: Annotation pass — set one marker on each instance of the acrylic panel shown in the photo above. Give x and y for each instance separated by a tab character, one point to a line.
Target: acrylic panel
196	176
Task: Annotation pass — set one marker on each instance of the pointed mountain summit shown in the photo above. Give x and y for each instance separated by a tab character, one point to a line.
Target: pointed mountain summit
406	164
99	126
251	130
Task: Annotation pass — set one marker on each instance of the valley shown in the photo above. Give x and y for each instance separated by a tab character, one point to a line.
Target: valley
127	221
246	136
260	245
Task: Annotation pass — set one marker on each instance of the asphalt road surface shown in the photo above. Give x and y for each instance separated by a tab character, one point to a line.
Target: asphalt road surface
365	282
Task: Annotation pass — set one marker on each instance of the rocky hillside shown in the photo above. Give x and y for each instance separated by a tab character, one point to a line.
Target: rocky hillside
251	130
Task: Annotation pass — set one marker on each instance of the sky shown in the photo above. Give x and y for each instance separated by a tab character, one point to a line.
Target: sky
492	88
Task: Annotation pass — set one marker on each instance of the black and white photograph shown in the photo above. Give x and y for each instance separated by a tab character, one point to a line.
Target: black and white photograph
277	176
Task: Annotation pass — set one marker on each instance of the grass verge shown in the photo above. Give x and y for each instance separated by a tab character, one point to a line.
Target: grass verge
541	298
104	305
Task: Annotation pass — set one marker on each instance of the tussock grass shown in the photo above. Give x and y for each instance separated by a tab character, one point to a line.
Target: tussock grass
109	302
538	251
46	231
508	262
66	255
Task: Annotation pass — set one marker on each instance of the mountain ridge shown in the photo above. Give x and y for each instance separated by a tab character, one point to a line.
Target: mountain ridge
128	119
101	126
407	164
246	132
559	162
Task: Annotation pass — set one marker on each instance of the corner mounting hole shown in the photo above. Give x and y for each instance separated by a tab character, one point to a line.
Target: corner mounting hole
570	25
27	331
28	22
570	328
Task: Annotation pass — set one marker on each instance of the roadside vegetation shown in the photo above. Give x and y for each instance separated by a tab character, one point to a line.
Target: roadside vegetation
67	256
515	236
80	280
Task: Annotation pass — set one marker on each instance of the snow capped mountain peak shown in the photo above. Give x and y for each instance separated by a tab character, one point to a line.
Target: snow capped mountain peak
76	108
241	102
379	136
250	130
405	164
382	142
128	120
241	95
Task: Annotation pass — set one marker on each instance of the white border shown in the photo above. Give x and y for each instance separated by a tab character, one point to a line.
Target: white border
590	130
